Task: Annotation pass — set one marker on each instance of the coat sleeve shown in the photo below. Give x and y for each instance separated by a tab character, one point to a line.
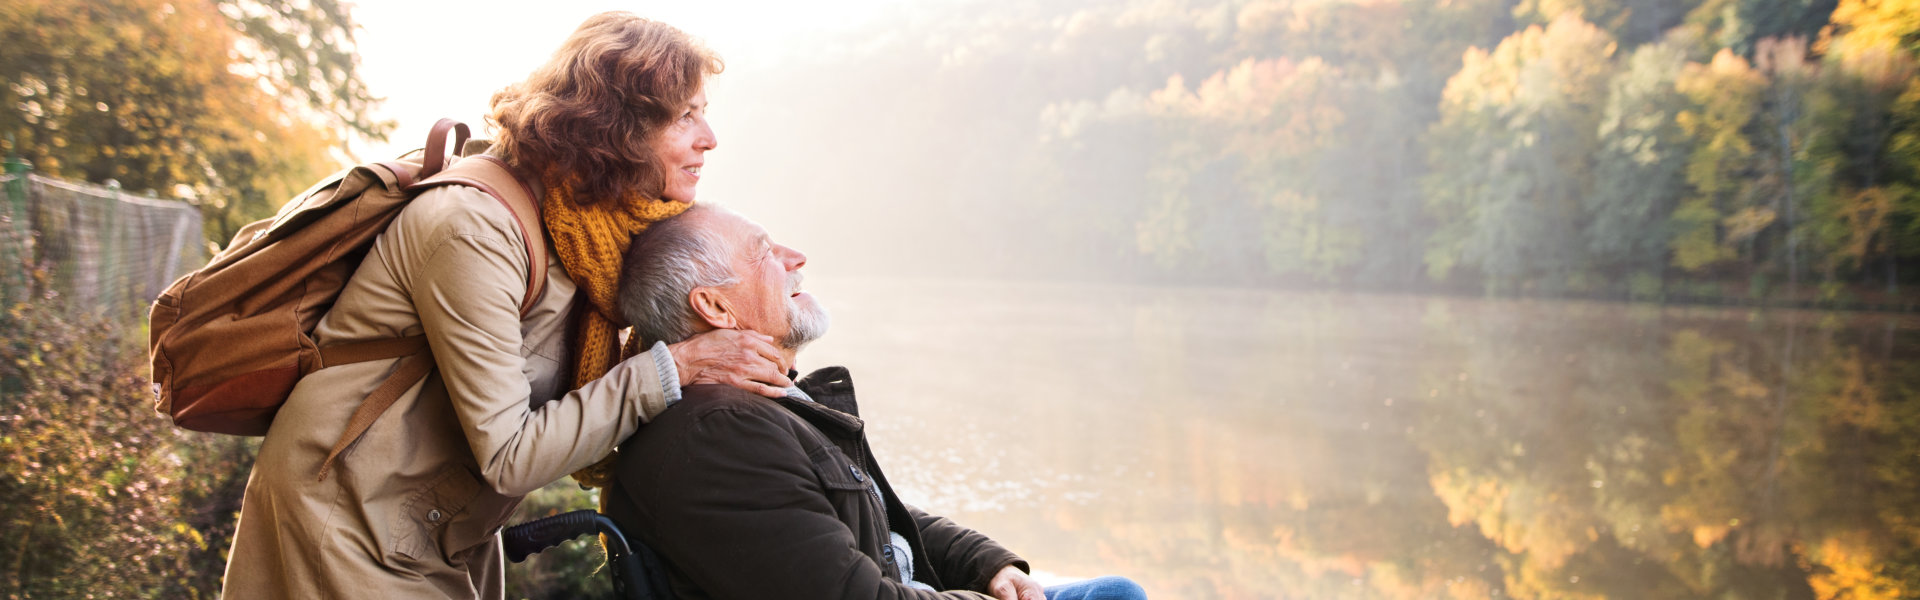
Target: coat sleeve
732	503
960	555
467	288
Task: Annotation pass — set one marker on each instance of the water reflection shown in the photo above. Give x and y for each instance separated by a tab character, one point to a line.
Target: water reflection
1239	444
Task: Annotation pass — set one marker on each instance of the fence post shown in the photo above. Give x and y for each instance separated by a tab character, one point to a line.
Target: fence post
14	226
17	188
111	292
17	166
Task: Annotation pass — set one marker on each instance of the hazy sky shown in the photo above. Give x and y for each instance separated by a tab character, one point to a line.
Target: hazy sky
479	46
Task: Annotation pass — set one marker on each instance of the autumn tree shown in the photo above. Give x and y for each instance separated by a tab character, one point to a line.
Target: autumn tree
1641	168
1511	155
1879	24
231	105
1725	96
1270	122
1633	22
1739	25
1867	110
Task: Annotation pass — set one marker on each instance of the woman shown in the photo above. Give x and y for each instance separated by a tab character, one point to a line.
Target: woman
611	134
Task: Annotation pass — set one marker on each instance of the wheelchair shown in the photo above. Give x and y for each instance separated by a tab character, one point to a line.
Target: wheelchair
637	572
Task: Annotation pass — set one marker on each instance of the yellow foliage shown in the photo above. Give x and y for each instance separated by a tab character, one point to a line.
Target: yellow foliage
1875	23
1747	222
147	92
1727	96
1852	571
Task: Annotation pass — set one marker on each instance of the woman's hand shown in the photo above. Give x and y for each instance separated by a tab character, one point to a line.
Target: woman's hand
742	359
1011	583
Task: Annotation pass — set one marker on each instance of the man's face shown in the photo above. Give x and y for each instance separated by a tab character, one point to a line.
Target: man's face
767	296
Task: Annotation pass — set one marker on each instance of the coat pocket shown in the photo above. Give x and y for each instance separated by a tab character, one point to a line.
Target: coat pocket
426	514
849	488
836	471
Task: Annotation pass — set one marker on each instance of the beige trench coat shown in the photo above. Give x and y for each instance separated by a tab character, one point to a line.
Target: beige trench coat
413	508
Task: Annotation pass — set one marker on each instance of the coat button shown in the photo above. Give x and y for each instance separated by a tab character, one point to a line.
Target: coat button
856	473
433	516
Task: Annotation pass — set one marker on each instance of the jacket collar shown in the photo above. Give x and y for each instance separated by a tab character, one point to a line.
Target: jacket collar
833	408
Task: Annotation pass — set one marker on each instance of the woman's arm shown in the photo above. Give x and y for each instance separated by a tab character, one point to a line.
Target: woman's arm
466	290
744	359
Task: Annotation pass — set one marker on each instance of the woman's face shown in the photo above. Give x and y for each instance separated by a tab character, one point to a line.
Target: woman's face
682	148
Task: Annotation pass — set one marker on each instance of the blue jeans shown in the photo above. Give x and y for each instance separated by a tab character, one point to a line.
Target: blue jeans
1103	588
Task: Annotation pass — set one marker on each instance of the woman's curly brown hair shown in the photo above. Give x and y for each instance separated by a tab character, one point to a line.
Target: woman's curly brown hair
587	117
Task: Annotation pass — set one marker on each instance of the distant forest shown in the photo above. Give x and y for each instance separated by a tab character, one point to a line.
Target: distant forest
1738	149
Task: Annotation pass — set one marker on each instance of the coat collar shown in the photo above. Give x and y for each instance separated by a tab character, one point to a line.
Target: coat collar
833	407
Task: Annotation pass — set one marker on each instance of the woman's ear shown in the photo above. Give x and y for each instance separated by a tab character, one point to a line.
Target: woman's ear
713	308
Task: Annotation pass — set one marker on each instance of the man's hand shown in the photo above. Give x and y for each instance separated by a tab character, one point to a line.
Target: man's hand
742	359
1013	584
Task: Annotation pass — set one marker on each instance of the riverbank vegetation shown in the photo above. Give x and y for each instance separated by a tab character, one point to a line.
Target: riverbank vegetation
231	105
1711	150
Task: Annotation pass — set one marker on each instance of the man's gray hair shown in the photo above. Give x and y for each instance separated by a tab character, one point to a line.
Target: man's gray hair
664	264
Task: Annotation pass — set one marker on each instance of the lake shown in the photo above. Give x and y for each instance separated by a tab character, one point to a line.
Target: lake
1217	443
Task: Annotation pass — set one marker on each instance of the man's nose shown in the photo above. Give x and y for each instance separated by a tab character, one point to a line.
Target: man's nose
792	258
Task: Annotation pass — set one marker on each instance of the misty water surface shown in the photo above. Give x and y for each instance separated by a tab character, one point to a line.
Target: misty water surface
1253	444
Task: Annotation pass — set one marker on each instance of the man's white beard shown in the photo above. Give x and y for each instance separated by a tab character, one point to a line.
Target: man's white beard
806	322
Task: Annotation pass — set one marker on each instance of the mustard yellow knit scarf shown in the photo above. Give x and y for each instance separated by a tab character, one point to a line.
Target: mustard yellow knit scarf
591	241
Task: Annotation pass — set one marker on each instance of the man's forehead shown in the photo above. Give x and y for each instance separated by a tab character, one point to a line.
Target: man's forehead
736	228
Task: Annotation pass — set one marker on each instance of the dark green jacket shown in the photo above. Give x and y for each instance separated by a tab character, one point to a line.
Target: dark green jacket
749	497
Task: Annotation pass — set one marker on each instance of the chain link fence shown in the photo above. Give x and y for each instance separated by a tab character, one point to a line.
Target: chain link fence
92	248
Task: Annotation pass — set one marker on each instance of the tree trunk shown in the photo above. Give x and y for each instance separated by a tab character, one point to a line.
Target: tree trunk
1786	177
1893	280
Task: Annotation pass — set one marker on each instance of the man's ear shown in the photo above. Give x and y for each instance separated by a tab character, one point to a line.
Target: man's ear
713	308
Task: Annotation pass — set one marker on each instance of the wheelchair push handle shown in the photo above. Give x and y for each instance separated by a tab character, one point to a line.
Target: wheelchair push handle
533	537
637	575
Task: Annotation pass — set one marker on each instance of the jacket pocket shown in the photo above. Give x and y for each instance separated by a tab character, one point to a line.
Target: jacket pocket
836	471
855	500
426	514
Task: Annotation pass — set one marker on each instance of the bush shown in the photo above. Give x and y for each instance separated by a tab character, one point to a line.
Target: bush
100	496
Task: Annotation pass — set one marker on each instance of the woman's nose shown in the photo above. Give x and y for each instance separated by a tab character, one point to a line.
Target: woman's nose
705	140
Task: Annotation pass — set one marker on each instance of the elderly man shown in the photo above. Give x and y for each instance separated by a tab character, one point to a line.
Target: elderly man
749	497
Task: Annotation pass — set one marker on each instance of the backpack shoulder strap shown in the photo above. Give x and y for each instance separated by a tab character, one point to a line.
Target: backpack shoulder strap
491	175
487	174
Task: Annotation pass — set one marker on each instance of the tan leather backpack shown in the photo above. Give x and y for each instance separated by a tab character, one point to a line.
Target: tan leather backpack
229	341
